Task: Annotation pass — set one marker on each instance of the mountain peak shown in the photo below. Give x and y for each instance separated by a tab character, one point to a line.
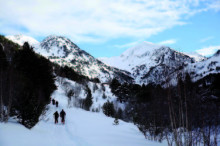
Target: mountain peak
58	46
58	41
56	37
21	39
140	49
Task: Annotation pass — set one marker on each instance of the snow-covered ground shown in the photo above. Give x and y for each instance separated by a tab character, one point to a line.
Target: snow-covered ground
82	128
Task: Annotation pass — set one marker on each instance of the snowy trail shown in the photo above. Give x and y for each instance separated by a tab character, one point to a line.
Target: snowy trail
69	138
82	128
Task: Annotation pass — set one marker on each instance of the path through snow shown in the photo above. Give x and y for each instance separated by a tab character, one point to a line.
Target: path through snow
82	128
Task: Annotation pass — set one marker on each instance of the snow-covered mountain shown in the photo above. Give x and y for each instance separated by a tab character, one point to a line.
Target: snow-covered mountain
21	39
149	62
196	56
145	62
135	56
63	51
203	68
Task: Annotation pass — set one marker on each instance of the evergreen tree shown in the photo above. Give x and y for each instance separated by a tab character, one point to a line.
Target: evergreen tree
104	96
120	113
3	66
114	84
70	93
88	101
108	109
36	83
3	59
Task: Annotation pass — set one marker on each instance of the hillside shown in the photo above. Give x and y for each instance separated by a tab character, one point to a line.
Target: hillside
82	128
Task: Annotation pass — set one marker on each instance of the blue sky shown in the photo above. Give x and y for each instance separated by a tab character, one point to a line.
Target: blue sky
107	28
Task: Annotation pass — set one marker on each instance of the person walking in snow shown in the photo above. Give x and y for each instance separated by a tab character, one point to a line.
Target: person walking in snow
62	115
56	103
53	101
56	116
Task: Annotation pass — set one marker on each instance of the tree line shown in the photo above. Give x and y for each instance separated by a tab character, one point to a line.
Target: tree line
185	114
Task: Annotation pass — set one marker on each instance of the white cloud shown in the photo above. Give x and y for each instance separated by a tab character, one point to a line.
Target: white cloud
206	39
207	51
126	45
96	20
168	42
215	5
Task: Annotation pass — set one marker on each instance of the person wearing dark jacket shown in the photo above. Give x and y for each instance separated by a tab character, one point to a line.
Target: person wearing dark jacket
56	103
56	116
53	101
62	115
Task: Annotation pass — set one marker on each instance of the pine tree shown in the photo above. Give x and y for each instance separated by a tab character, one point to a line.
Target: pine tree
104	96
88	101
120	113
3	66
34	84
108	109
114	85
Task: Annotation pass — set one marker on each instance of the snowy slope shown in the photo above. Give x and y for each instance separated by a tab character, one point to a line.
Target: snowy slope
21	39
201	69
196	56
135	56
82	128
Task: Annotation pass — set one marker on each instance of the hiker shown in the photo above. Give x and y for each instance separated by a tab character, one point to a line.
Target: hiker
53	101
62	115
56	103
56	116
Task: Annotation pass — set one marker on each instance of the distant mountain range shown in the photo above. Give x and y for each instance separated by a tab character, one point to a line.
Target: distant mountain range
142	64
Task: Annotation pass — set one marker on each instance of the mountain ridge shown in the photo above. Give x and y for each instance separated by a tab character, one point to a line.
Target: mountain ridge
63	51
145	63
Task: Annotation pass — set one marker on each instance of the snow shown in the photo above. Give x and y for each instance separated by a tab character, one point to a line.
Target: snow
196	56
135	56
205	67
82	128
63	51
139	59
21	39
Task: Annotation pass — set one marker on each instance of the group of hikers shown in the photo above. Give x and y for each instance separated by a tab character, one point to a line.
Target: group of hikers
62	115
56	114
55	102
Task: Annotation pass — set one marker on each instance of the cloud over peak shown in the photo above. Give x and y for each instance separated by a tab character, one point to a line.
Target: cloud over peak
207	51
